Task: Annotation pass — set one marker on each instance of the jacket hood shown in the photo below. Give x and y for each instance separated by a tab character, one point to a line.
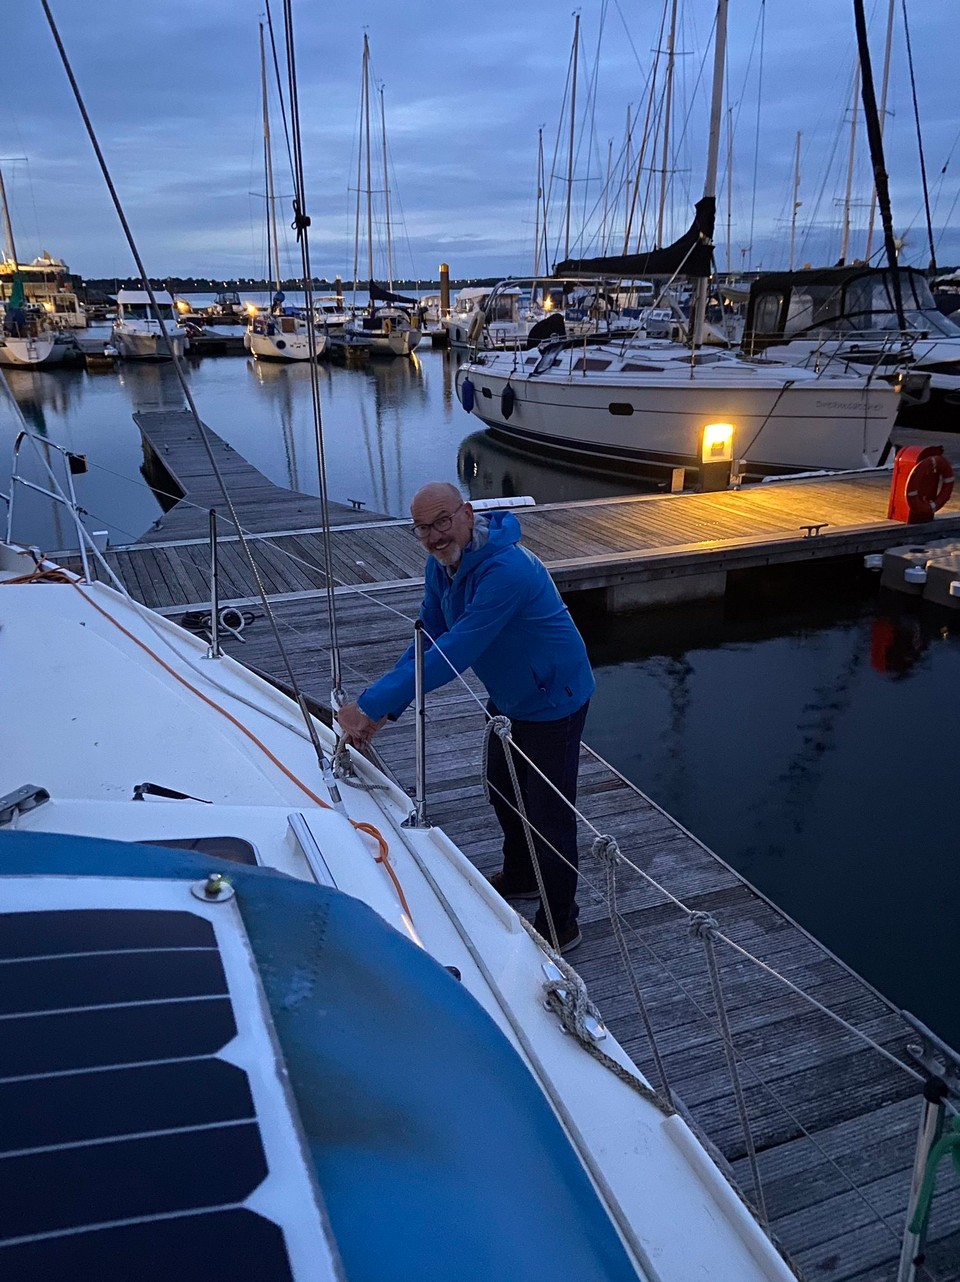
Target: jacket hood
503	530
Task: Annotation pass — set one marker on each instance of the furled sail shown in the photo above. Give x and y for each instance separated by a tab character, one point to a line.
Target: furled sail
380	295
691	255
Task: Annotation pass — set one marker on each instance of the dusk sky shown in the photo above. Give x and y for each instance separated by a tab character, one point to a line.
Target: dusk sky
174	94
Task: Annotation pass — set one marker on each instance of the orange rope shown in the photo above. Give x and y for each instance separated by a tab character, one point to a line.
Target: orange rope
59	576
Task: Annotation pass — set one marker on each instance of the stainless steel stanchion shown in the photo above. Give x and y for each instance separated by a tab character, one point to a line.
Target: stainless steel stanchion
213	649
935	1092
418	817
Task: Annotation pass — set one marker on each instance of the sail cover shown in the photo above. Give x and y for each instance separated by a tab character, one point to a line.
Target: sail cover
379	295
691	255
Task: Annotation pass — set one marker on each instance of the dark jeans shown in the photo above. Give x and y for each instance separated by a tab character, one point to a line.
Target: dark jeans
555	748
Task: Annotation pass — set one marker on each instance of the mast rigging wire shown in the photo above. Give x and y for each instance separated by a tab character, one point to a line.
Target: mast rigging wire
187	393
923	162
301	224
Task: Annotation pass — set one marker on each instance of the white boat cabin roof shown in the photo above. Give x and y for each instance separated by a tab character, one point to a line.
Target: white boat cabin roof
131	297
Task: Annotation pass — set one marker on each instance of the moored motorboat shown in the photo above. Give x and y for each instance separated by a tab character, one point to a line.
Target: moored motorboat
137	334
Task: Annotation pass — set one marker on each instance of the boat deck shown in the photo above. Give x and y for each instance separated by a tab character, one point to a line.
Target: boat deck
817	1078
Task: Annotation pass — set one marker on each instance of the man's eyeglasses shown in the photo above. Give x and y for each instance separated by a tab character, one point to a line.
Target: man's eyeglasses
422	530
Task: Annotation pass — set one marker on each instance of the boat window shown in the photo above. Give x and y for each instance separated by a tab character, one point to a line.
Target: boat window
143	311
636	367
767	315
288	325
591	362
620	407
235	849
485	391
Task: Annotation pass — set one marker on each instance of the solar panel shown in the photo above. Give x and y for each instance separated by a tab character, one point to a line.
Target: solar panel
145	1129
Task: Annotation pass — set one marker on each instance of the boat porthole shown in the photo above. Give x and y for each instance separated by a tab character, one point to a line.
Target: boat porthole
620	407
281	344
485	391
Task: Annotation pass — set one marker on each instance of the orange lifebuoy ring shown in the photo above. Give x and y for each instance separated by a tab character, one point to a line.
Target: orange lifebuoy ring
929	485
387	325
476	326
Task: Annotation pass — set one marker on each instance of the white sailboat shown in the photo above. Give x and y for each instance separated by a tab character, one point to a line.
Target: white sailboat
661	405
279	334
27	337
386	327
391	1071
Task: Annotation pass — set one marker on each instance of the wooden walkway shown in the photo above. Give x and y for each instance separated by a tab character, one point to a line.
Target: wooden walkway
638	550
177	465
861	1110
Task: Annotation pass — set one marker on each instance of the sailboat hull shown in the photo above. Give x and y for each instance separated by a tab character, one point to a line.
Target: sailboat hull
655	416
44	349
283	347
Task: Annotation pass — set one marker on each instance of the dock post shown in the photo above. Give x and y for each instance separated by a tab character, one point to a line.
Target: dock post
935	1092
213	649
418	816
444	291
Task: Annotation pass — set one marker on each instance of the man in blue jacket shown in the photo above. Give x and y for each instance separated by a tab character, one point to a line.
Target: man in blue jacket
491	605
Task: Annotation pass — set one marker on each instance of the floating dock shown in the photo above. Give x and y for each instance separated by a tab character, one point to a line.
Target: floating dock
833	1119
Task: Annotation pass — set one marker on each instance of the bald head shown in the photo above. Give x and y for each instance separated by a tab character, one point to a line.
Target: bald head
439	502
436	492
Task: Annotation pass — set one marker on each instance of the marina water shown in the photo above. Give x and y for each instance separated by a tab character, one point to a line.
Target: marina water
800	728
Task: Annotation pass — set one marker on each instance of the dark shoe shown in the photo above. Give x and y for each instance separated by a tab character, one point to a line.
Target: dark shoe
509	890
570	938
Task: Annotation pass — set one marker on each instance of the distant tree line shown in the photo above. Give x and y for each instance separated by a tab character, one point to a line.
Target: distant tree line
95	289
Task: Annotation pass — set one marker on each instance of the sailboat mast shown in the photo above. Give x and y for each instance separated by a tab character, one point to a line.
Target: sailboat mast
366	123
573	124
885	83
273	249
845	243
386	192
875	141
713	154
729	188
536	221
796	201
7	224
668	104
606	196
628	169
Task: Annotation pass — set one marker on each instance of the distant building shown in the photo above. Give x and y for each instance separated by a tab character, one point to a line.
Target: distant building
47	283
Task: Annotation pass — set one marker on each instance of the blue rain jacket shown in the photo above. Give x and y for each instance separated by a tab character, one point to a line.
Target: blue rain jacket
501	615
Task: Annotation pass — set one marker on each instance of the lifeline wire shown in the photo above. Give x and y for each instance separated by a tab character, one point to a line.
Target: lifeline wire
188	396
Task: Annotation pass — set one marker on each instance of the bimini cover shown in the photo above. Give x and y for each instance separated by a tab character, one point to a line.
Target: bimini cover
435	1152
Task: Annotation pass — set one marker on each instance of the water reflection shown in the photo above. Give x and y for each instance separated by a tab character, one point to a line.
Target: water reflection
796	738
389	427
39	391
491	468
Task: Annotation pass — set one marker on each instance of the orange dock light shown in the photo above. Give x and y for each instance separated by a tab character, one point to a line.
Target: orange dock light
716	456
922	483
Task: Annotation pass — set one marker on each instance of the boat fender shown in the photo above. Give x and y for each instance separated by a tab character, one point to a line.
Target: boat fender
508	398
467	394
476	327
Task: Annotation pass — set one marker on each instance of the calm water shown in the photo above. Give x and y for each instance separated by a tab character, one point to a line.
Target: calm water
800	735
806	738
387	430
